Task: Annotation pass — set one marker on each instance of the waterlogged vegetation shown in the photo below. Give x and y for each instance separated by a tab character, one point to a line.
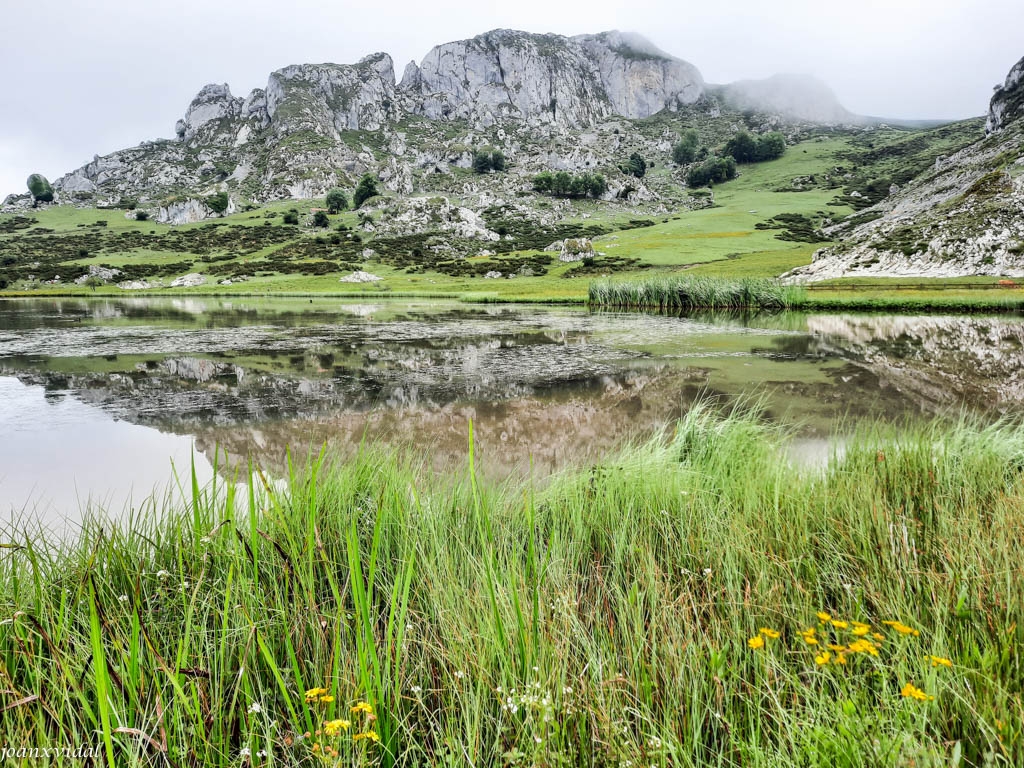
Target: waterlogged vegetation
697	291
696	600
685	293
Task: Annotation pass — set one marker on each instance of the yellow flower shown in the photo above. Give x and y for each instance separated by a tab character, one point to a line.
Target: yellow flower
863	646
770	633
860	629
840	659
878	636
362	706
822	658
910	691
902	628
756	642
823	617
334	727
840	624
808	636
836	648
314	694
325	699
371	735
938	661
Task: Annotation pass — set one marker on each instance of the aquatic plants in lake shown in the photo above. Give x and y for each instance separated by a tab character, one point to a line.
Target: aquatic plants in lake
679	292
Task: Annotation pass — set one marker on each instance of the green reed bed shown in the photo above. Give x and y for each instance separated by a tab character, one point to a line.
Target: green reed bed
694	601
681	292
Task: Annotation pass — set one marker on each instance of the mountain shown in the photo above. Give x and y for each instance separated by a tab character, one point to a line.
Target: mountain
964	216
546	101
796	97
306	131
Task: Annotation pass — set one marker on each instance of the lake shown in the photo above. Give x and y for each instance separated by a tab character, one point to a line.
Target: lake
105	402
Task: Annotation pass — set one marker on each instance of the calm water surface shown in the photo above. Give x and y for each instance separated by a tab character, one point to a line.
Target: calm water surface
102	402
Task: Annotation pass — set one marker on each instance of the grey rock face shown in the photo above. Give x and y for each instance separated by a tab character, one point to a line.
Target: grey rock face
213	102
550	79
184	212
328	98
1007	103
412	78
638	79
188	281
547	101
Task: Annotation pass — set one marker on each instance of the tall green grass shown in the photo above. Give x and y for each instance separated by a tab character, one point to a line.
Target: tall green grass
601	620
685	292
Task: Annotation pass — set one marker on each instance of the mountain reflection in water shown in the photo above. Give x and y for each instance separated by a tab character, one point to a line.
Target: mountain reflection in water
551	387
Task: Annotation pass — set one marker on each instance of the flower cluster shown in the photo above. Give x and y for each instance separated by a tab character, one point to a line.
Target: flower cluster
318	696
833	641
910	691
361	711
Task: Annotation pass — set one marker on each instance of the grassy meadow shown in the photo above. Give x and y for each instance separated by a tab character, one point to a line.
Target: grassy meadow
736	238
698	600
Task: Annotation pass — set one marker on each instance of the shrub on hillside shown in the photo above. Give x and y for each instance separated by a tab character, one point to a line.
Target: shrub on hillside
685	151
336	200
636	165
714	170
40	189
487	160
218	203
743	147
564	184
367	188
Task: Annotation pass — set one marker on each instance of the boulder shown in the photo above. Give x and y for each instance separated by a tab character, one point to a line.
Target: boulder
359	276
576	249
191	280
103	273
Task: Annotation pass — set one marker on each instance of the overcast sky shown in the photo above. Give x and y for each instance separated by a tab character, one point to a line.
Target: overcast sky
85	78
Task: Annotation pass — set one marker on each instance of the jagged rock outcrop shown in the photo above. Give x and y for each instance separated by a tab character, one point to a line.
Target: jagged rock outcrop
1007	102
213	102
547	101
329	98
550	79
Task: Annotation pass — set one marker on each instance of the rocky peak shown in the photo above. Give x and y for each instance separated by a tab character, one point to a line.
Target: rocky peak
1007	102
639	79
411	78
328	98
213	102
550	79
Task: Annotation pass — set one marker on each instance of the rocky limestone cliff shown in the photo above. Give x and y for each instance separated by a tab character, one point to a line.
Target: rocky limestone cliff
547	101
549	79
1007	102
